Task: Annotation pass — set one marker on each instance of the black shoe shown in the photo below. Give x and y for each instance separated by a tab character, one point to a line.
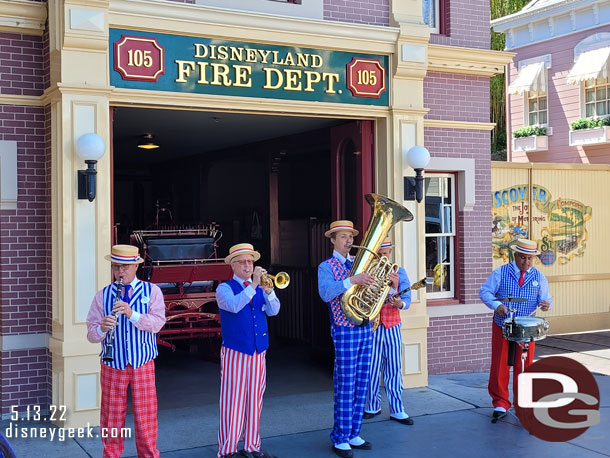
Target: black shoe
368	415
366	445
261	454
404	421
343	453
498	414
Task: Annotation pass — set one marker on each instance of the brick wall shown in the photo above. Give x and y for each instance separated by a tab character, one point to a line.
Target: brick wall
21	64
25	379
25	233
375	12
454	97
473	227
467	24
460	343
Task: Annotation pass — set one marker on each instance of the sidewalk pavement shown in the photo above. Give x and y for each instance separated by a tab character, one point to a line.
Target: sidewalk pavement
452	418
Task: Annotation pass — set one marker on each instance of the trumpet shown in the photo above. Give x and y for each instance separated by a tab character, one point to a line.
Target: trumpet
280	280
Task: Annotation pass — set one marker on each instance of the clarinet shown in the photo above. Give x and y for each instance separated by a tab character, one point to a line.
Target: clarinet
109	350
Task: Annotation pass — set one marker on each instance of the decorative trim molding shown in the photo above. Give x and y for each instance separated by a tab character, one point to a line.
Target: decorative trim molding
465	168
21	100
198	20
15	342
581	277
143	98
9	191
440	311
23	16
470	125
469	61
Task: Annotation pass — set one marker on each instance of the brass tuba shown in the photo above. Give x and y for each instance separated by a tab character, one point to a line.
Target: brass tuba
362	304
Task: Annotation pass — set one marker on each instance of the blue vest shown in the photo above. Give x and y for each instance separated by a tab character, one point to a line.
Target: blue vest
246	330
131	345
509	287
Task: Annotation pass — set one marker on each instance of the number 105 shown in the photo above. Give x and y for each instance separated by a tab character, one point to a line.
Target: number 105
138	58
367	77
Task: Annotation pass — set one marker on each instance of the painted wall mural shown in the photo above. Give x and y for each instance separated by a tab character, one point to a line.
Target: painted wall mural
558	226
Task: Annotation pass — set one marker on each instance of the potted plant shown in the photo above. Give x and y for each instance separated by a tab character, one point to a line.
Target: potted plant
530	138
590	131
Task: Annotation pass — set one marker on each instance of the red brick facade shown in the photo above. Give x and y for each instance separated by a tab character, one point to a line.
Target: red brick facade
466	23
460	343
453	97
25	233
375	12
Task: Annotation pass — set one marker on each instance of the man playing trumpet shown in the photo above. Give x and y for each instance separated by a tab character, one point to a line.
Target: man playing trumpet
352	343
135	320
244	303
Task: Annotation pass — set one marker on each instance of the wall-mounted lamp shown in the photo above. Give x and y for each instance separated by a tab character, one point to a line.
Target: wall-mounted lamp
147	142
90	148
417	158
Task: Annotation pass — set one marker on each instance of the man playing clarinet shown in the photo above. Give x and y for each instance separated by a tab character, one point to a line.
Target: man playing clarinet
126	328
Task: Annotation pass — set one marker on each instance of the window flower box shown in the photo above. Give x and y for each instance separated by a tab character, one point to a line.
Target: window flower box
593	136
532	143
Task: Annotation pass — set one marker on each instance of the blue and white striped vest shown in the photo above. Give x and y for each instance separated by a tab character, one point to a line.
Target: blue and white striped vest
509	287
131	345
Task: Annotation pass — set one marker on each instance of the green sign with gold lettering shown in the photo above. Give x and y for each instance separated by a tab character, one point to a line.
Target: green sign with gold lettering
162	62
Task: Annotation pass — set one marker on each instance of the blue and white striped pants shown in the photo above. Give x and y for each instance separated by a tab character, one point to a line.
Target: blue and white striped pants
387	356
351	377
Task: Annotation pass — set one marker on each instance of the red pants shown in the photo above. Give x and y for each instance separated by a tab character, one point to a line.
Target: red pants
242	385
114	407
499	372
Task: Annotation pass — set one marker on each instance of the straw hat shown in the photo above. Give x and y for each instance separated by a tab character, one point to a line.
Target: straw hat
124	254
387	243
341	225
526	246
242	248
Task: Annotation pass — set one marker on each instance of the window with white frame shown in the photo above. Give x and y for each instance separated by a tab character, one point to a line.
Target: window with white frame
431	14
597	95
536	109
440	235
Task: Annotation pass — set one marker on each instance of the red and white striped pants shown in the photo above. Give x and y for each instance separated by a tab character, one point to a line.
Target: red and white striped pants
114	407
242	385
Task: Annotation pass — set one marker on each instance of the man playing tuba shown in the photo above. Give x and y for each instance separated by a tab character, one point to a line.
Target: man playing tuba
352	343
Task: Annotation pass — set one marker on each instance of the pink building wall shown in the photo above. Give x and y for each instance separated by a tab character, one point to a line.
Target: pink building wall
564	104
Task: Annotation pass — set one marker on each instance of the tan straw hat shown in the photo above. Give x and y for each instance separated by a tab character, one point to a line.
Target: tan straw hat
387	243
242	248
124	254
526	246
341	225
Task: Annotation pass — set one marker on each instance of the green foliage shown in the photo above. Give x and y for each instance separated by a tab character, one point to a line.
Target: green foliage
590	123
498	9
529	131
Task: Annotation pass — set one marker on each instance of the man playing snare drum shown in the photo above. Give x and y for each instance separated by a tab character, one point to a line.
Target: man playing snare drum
519	280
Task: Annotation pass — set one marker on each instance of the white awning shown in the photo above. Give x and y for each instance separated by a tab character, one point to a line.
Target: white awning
590	65
531	78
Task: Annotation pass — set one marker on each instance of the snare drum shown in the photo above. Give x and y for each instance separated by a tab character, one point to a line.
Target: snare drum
525	329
